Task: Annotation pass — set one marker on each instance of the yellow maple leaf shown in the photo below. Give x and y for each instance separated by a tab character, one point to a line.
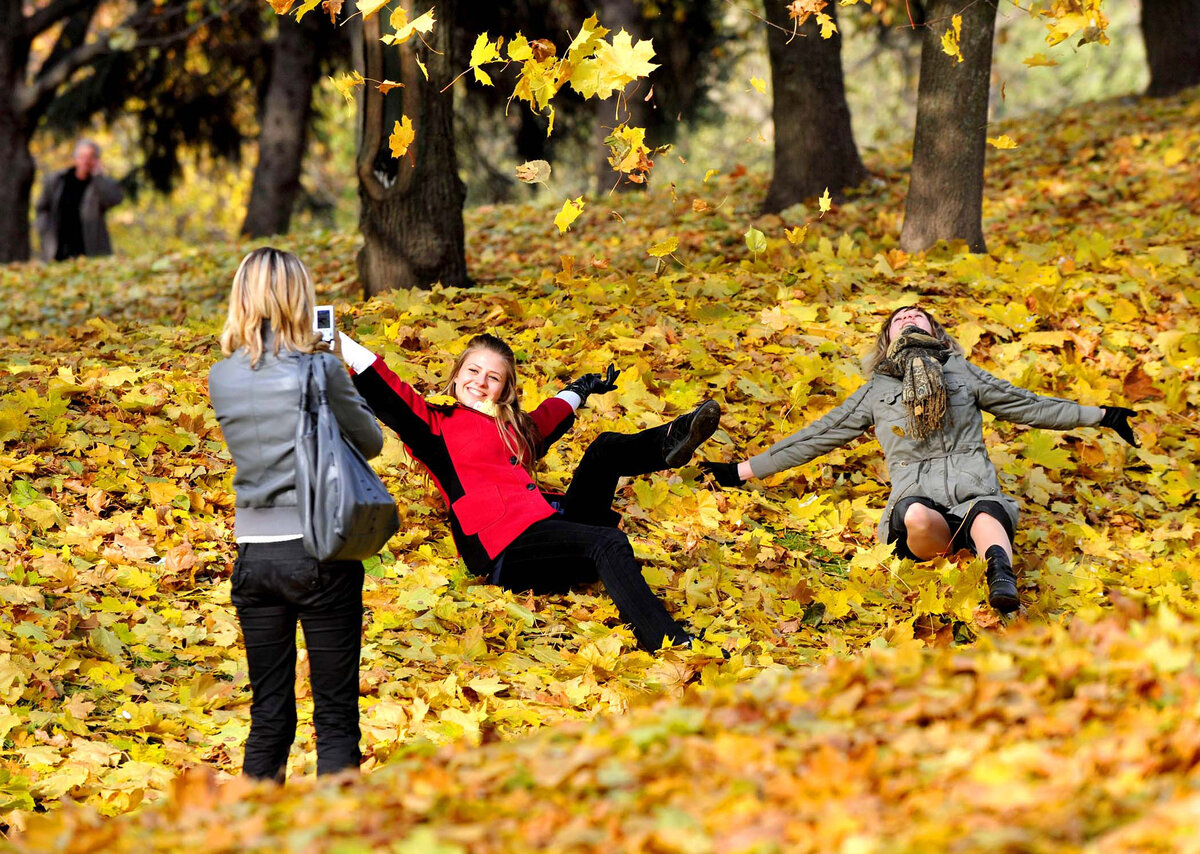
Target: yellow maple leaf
952	37
827	25
386	86
482	52
759	84
1002	141
1039	59
795	235
709	173
369	7
306	7
346	83
664	248
570	212
615	65
825	202
281	7
402	137
519	49
406	29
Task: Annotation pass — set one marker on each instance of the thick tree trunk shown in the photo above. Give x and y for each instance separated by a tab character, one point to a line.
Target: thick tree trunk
284	114
1171	31
945	193
411	214
16	175
814	143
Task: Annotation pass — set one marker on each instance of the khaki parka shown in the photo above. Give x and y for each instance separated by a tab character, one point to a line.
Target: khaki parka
952	467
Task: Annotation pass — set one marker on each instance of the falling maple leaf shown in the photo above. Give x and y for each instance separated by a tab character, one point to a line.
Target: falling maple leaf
664	247
951	39
402	137
570	212
533	172
1002	141
346	82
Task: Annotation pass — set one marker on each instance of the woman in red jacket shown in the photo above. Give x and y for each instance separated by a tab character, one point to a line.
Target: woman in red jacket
482	451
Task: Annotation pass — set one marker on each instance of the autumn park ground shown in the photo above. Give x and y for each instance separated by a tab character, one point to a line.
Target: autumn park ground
868	704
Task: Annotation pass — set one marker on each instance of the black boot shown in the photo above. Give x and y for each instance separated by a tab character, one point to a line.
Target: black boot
1002	582
687	432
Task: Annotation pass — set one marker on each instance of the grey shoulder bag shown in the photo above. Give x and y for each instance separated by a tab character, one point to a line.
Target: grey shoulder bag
346	513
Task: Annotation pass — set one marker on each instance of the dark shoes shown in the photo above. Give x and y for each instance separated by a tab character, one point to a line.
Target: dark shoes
1002	581
686	432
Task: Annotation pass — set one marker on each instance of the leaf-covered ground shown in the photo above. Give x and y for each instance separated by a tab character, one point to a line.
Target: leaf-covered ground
868	703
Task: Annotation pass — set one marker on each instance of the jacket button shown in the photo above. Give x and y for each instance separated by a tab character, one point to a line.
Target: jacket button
512	461
530	487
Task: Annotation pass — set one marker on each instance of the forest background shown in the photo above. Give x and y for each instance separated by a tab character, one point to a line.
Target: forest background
867	704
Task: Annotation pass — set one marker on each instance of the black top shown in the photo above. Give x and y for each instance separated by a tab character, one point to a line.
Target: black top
70	226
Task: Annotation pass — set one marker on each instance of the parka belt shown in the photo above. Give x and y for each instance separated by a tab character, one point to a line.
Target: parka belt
943	456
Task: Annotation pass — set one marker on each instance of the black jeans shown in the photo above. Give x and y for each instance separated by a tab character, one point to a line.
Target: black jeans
274	585
582	543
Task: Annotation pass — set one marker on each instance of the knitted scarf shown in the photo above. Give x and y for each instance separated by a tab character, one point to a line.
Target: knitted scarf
915	358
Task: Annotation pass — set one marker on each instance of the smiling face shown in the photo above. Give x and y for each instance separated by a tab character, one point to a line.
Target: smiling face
911	316
481	377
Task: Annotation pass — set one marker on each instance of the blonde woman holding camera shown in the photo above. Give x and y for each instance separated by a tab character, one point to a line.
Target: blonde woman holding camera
255	391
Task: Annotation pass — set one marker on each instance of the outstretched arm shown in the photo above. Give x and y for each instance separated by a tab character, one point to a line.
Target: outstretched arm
835	429
1011	403
394	402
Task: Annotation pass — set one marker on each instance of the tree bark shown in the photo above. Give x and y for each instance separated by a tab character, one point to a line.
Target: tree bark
16	177
1171	32
945	193
411	208
814	142
284	111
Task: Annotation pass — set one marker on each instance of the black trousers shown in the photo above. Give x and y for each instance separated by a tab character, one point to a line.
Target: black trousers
582	544
274	586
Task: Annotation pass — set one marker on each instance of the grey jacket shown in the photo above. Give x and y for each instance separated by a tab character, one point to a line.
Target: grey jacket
258	409
952	467
101	194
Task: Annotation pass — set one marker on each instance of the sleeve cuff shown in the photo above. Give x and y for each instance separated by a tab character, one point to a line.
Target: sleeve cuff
570	397
358	357
761	466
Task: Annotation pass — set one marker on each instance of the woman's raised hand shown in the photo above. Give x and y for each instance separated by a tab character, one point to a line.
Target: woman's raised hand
1117	417
593	384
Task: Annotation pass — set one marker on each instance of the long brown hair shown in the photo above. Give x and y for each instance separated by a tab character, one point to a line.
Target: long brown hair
271	290
516	428
882	340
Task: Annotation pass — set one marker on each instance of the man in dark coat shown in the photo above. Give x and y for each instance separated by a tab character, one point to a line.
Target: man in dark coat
70	213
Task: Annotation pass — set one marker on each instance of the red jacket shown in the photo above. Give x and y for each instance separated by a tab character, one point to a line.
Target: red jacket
491	497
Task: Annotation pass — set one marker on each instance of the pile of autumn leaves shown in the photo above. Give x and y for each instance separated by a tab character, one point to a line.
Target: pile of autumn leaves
854	712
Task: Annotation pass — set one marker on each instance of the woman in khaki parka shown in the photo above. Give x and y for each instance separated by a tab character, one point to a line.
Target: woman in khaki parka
926	401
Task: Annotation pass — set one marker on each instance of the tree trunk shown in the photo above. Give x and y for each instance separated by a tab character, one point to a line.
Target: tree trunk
945	193
1171	31
284	114
411	208
16	176
814	143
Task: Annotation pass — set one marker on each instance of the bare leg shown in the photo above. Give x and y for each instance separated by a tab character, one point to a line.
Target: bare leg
928	533
986	531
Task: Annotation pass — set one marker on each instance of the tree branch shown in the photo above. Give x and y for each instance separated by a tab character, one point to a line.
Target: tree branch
46	17
28	98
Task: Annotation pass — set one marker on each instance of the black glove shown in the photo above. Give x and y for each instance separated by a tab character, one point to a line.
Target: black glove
593	384
1117	417
725	474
